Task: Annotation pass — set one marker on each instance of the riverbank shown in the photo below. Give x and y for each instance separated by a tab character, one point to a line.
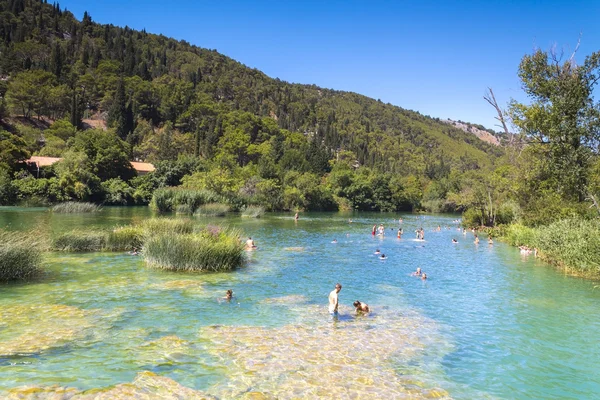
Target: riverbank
571	245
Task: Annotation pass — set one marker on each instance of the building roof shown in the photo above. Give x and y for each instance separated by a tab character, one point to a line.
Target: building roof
46	161
142	166
43	161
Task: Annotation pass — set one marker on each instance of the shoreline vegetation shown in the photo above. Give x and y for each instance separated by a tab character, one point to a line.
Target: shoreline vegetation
570	245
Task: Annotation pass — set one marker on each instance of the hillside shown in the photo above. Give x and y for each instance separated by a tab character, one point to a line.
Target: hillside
167	98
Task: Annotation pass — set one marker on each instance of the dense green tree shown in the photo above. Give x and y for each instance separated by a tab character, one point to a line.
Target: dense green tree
562	122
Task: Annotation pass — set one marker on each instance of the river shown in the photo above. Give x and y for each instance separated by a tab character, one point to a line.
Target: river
487	323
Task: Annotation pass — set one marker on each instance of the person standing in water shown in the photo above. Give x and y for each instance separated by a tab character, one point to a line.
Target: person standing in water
250	244
334	300
374	230
296	217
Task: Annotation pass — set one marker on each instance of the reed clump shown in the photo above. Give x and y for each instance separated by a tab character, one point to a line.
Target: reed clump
166	225
80	241
20	256
253	212
210	250
125	238
213	210
74	207
181	200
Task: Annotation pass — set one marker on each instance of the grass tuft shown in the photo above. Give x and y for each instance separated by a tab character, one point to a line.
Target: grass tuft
213	210
253	212
79	241
205	251
156	226
20	257
73	207
125	238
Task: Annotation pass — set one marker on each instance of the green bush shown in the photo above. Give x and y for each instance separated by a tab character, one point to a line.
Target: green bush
253	212
213	210
508	212
76	241
573	244
162	200
201	252
20	257
125	238
520	235
73	207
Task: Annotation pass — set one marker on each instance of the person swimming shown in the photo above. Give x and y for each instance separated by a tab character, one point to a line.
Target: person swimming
454	241
424	276
250	244
334	241
417	272
383	257
377	251
228	295
490	241
361	307
476	239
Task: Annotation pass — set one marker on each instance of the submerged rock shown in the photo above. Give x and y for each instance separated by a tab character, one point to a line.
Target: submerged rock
36	328
146	385
349	358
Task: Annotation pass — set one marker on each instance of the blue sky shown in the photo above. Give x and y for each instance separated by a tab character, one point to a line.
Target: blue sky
433	57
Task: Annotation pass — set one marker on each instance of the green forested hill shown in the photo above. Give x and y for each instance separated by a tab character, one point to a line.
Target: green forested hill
167	98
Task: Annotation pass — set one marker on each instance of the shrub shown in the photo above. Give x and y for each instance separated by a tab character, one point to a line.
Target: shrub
162	200
20	257
125	238
253	212
213	210
80	241
72	207
167	225
201	252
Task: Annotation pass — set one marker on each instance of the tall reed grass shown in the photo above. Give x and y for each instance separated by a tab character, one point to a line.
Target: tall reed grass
125	238
80	241
170	198
20	256
253	212
213	210
167	225
205	251
571	244
73	207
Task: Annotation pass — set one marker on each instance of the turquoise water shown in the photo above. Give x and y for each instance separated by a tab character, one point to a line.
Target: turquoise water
488	323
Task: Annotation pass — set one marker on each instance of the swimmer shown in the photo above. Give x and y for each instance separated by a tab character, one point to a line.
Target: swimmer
250	244
454	241
377	252
296	217
417	272
374	230
383	257
439	228
361	307
228	295
349	221
333	299
400	221
424	276
490	241
399	234
334	241
134	252
476	239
